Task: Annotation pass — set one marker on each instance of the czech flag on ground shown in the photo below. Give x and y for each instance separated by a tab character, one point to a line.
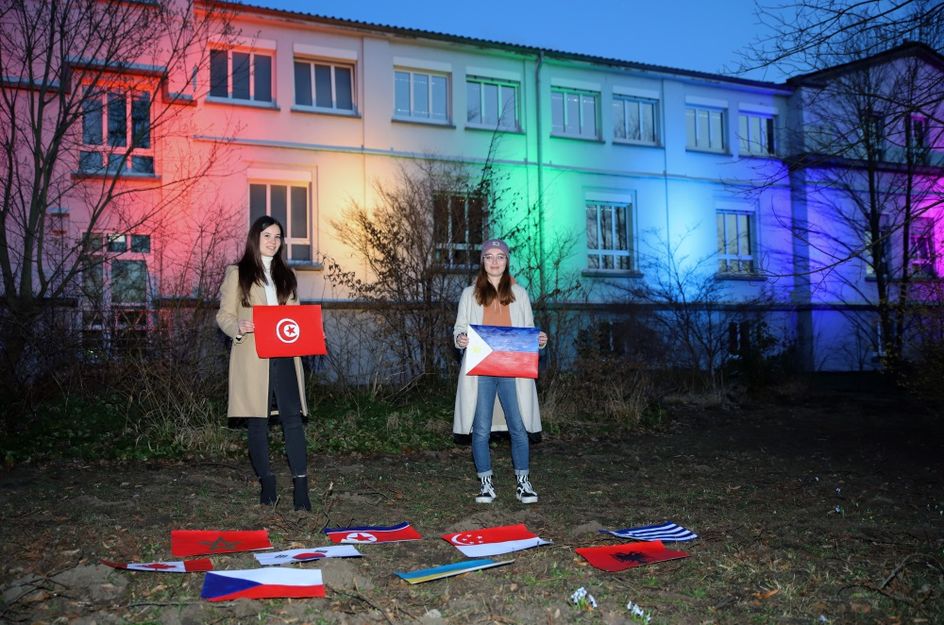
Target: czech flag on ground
448	570
268	583
492	541
369	534
306	555
502	351
185	566
621	557
185	543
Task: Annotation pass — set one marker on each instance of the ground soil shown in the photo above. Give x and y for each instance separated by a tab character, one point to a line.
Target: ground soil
822	508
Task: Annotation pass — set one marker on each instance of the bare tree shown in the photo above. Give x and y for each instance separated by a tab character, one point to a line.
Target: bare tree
868	112
95	94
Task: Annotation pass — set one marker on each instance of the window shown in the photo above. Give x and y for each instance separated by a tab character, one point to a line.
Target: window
459	223
116	291
874	137
735	244
705	129
634	120
916	139
110	144
574	113
492	103
421	96
756	134
289	205
885	247
241	75
609	236
324	85
921	237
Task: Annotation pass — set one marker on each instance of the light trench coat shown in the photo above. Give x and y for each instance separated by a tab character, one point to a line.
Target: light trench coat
470	312
248	374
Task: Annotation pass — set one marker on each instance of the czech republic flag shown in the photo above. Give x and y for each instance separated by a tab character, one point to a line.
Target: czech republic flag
267	583
502	351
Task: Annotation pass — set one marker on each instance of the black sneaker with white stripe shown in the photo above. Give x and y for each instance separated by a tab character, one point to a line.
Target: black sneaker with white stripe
486	491
523	490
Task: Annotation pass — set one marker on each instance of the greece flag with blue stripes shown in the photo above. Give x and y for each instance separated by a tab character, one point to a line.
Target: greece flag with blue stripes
666	532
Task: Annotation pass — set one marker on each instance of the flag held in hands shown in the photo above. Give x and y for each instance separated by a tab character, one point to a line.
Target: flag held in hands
492	541
275	558
184	543
181	566
502	351
369	534
628	555
283	331
667	532
268	583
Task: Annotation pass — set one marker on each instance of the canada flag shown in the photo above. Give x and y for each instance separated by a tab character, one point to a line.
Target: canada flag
492	541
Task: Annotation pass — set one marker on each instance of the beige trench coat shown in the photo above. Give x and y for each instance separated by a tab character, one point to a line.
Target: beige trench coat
522	316
248	374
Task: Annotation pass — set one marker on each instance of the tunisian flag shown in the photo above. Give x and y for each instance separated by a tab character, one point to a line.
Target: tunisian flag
492	541
185	543
621	557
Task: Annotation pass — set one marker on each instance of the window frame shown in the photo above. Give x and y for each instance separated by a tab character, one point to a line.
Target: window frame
412	115
290	239
725	258
134	154
692	117
563	92
312	65
922	266
252	100
446	250
500	84
624	101
767	127
613	253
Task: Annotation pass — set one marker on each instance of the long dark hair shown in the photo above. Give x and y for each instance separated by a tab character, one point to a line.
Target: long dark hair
485	293
251	270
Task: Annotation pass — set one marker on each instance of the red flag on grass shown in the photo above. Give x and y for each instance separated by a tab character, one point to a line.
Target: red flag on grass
491	541
367	534
185	543
622	557
184	566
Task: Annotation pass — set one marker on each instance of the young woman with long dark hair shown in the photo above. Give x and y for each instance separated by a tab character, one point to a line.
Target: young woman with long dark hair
495	299
261	277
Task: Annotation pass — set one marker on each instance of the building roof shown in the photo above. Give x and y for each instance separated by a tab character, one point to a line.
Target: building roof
904	50
490	43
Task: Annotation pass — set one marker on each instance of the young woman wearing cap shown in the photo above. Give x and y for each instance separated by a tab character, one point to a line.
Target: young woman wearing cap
262	277
496	300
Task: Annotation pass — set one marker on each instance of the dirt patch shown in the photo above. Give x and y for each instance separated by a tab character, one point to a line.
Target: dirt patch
827	511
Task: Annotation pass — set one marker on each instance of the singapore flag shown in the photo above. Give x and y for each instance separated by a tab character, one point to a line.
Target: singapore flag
492	541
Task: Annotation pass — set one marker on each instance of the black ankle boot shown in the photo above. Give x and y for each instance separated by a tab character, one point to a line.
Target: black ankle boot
300	495
267	496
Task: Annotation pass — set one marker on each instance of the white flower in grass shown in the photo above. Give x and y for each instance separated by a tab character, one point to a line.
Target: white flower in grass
583	599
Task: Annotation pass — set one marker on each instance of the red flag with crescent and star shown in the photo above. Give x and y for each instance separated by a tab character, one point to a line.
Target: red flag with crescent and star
492	541
369	534
184	543
180	566
626	556
283	331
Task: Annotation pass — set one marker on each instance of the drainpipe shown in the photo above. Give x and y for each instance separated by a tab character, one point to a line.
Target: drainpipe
540	159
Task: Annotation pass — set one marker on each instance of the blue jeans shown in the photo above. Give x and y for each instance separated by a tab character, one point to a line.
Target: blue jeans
482	424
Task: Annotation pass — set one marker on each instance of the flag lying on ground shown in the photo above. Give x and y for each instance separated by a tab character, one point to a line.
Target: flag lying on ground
492	541
502	351
372	534
184	566
448	570
667	532
306	555
628	555
185	543
266	583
